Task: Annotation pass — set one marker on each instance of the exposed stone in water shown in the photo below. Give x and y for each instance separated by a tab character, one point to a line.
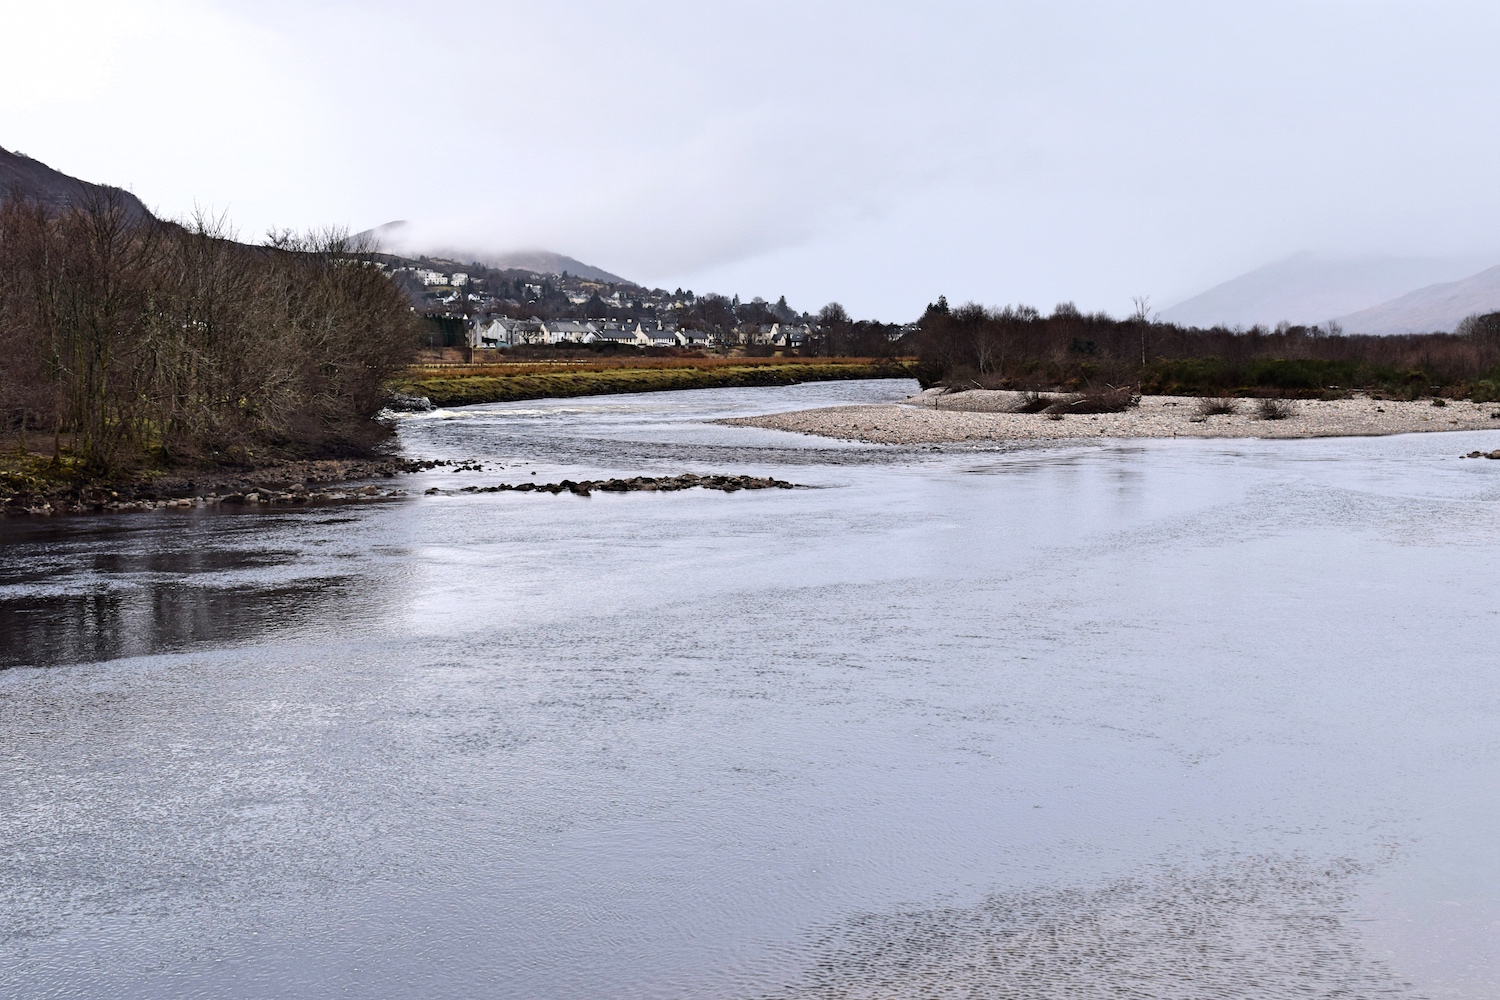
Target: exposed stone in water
639	484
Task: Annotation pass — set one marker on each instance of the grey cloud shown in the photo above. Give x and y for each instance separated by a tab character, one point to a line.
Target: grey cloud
874	153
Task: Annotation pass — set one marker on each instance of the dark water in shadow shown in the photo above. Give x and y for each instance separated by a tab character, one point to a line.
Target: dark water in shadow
1173	719
76	628
87	589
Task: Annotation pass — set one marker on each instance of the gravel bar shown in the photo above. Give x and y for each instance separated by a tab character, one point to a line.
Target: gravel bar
933	417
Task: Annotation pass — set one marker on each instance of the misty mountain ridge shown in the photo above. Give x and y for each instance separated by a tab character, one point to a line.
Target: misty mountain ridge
1310	288
1434	308
34	180
400	238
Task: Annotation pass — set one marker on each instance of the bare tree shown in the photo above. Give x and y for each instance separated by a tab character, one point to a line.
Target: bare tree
141	340
1142	318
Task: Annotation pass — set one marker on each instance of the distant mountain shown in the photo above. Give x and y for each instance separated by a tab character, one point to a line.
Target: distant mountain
547	262
33	179
1310	288
1433	309
399	237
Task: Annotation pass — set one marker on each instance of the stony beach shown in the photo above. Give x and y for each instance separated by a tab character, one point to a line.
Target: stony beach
933	417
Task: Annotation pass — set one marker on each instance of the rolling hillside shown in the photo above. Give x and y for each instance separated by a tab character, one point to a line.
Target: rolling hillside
34	180
1309	288
1432	309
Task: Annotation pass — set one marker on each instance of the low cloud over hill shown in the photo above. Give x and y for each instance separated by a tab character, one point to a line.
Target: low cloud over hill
405	239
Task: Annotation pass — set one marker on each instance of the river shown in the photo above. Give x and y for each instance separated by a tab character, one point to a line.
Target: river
1167	718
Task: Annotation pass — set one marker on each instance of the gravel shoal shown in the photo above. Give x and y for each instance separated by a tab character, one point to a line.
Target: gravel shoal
982	415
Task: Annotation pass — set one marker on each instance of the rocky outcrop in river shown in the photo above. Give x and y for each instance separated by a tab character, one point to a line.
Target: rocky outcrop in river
636	484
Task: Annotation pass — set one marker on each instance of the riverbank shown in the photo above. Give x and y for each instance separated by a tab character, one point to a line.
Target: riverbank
933	417
464	385
34	484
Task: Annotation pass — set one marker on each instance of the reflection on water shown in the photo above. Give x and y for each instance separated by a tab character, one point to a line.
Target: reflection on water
85	628
1170	719
86	589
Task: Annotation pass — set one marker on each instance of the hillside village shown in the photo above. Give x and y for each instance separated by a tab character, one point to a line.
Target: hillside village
478	307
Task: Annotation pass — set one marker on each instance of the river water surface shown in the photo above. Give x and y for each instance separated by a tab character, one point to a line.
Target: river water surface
1166	719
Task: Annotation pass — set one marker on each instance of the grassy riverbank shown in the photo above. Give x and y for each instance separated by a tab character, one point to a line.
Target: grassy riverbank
461	385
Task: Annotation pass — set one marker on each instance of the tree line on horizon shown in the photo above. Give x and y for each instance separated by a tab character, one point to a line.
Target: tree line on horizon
1016	347
136	341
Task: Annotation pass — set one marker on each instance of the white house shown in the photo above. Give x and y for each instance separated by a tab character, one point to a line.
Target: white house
491	333
788	335
656	336
614	333
459	279
567	331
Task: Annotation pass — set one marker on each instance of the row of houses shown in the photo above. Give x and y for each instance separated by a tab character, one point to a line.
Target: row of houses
499	332
430	277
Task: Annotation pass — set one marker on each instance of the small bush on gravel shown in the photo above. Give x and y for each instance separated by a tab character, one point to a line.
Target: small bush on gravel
1273	409
1216	406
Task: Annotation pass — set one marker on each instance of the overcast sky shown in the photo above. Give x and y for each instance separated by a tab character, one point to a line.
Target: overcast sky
877	154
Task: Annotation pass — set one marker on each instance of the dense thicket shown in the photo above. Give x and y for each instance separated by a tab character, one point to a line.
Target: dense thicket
128	340
1020	348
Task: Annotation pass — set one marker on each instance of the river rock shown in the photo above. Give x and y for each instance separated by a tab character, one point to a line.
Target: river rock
637	484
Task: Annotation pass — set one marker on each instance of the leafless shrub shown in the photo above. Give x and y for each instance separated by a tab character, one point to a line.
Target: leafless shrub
1270	408
135	339
1218	406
